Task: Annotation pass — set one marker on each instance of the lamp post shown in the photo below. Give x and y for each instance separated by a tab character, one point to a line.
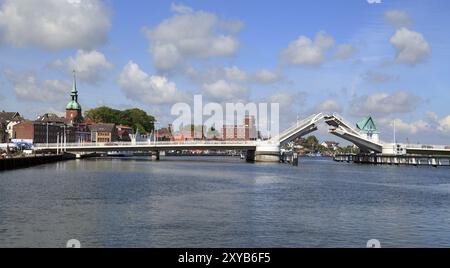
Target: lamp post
155	130
65	138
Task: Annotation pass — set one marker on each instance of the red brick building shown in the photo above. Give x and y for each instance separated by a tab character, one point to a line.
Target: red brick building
244	132
38	132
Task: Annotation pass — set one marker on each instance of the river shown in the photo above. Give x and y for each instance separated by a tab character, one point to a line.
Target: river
223	202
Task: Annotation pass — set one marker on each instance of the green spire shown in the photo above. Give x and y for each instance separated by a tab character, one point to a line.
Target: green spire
74	87
73	104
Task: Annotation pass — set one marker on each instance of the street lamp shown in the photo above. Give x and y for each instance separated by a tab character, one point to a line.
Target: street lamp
155	130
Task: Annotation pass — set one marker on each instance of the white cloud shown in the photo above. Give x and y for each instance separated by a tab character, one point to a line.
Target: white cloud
305	51
27	87
264	76
191	35
225	91
432	125
54	24
432	116
180	8
412	48
444	124
329	106
235	74
384	104
287	99
345	51
209	75
378	78
88	64
139	86
411	128
323	40
397	18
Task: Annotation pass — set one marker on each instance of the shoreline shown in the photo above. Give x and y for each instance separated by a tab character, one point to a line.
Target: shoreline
25	162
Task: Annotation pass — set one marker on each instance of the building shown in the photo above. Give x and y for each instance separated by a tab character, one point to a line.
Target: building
38	132
52	119
244	132
103	133
332	145
10	119
185	135
124	132
368	127
73	109
63	123
250	131
190	133
82	133
4	138
165	134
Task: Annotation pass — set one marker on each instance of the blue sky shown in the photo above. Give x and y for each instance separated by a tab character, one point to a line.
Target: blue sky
389	59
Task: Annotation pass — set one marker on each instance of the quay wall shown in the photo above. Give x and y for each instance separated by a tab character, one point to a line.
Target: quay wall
24	162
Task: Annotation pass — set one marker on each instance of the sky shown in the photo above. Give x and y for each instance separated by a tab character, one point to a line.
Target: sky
384	58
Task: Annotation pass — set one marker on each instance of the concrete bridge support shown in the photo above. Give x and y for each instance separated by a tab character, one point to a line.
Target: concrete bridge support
267	153
264	153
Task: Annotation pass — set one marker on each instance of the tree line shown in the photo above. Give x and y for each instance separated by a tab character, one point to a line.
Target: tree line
135	118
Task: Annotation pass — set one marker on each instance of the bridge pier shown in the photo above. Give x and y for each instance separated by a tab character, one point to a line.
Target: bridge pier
250	156
264	153
267	153
155	156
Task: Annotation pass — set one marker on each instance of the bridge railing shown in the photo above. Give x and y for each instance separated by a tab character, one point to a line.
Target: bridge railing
299	124
345	123
426	147
146	143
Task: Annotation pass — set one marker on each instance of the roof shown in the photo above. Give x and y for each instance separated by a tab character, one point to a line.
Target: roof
165	132
124	127
367	125
102	127
331	142
9	116
52	118
73	105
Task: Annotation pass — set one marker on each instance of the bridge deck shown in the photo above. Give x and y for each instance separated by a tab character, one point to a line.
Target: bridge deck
149	146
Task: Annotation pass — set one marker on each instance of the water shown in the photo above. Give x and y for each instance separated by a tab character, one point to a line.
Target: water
223	202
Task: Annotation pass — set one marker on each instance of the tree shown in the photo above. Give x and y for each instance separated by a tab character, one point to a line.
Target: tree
135	118
311	143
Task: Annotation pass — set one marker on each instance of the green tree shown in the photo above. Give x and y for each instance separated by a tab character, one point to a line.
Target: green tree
135	118
311	143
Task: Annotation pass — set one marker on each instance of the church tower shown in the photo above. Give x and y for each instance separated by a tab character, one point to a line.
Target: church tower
73	109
